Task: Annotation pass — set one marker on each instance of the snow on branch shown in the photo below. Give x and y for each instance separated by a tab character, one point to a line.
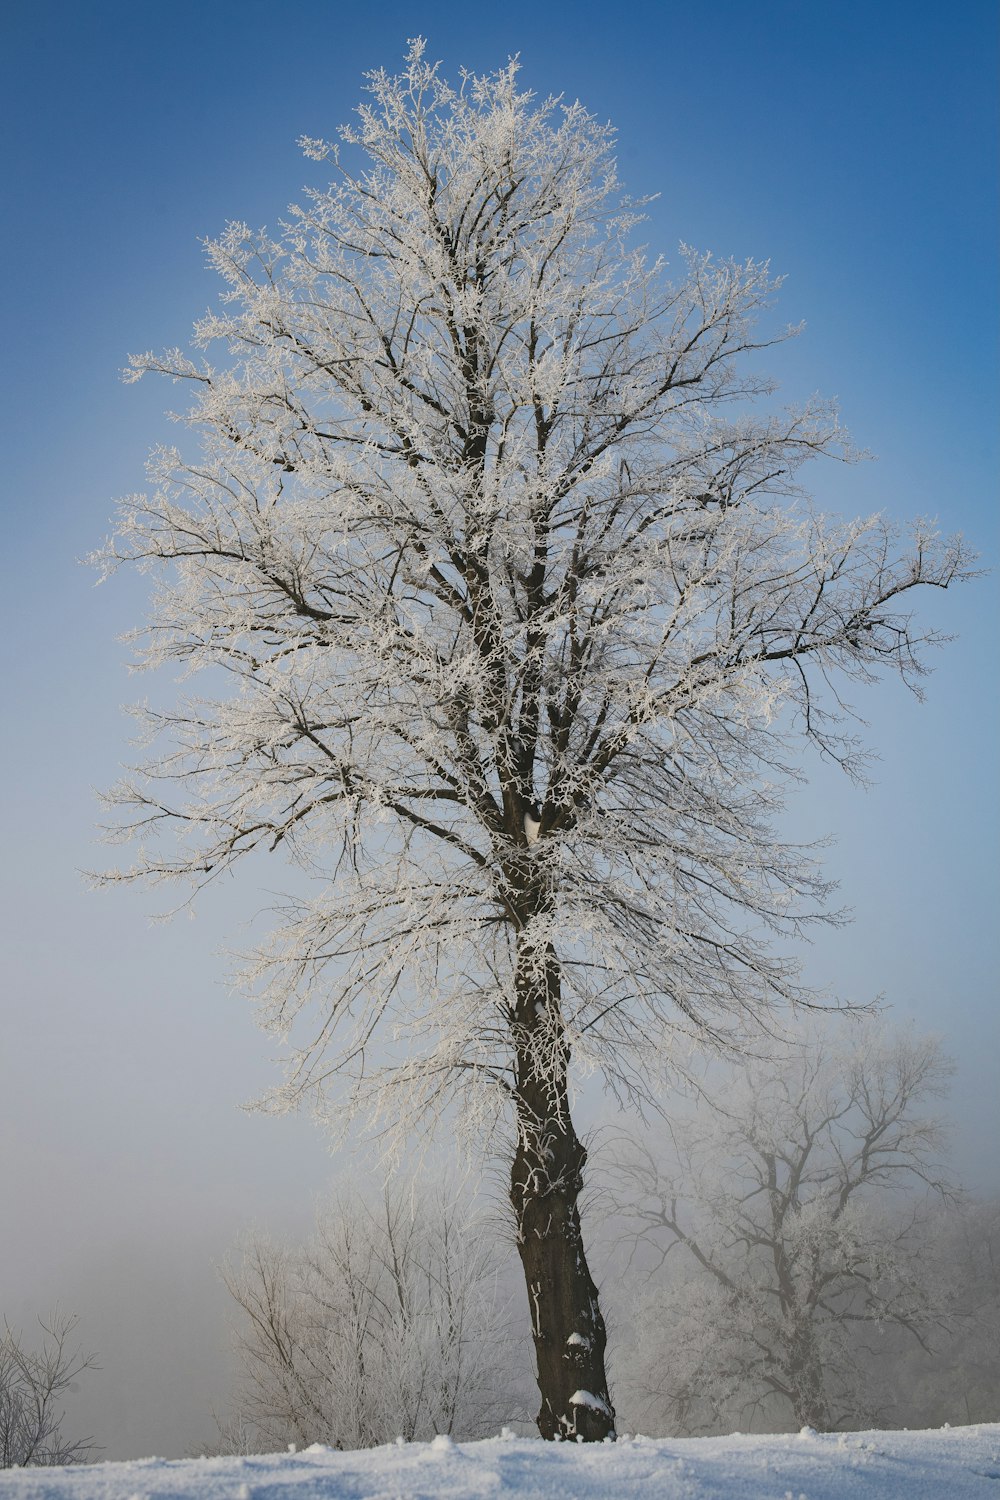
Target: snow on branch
513	612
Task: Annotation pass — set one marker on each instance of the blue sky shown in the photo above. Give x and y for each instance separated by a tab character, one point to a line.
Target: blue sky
853	144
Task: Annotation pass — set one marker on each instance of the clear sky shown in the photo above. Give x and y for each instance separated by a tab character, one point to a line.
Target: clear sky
853	144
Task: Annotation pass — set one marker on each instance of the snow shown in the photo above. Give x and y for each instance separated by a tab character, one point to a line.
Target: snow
958	1463
587	1398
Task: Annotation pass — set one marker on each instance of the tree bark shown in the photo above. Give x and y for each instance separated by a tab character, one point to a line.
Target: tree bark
805	1379
545	1184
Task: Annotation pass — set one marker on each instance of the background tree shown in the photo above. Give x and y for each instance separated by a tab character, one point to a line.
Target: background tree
512	609
957	1380
801	1196
33	1383
390	1322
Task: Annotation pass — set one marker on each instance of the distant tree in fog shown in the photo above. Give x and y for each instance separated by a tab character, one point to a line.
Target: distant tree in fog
33	1382
387	1323
958	1379
793	1204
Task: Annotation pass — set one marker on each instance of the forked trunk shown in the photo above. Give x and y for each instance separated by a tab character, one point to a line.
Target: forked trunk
545	1185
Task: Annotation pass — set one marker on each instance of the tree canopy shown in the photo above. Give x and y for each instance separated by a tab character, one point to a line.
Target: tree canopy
511	609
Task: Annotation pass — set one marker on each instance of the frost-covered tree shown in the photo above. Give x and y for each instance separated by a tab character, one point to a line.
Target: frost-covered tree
389	1322
508	607
958	1378
798	1204
33	1383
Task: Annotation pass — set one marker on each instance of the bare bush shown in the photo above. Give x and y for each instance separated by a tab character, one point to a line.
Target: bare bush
32	1385
388	1323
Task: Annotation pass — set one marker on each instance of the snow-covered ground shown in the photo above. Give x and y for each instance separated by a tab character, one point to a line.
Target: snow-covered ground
956	1463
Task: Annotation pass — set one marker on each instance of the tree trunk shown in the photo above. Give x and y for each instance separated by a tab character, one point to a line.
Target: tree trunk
545	1184
806	1381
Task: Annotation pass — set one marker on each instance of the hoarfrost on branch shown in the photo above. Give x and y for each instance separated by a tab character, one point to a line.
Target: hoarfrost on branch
510	607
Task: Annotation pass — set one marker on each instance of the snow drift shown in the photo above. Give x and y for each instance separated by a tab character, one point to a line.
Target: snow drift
961	1463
